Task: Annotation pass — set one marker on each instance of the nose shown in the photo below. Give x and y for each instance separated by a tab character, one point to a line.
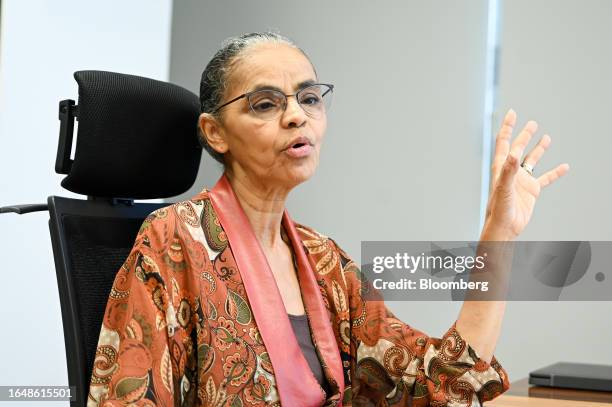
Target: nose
294	115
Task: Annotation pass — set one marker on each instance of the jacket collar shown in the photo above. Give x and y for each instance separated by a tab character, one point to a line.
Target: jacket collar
295	382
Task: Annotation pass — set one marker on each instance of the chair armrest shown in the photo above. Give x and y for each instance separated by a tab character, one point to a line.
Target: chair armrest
23	209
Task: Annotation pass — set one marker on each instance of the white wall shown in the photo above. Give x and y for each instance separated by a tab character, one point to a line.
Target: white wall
556	68
42	44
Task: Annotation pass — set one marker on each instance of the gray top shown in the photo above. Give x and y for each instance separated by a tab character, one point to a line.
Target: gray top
301	328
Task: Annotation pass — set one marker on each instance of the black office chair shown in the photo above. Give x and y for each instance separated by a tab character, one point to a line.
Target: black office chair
136	140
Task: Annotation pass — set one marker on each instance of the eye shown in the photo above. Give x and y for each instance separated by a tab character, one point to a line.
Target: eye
265	105
310	99
266	101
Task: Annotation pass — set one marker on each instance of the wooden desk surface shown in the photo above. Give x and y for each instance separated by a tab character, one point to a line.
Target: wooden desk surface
522	394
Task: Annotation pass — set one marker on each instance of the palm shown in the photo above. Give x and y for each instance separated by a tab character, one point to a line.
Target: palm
526	190
513	190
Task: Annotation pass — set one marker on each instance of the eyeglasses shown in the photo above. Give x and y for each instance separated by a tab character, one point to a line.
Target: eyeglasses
269	104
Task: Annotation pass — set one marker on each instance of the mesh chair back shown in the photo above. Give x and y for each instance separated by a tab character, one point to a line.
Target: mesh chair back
136	139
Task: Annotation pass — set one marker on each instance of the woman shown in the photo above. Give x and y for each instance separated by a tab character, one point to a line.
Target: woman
225	300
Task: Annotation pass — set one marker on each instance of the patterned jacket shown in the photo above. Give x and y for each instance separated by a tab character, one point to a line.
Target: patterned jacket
180	329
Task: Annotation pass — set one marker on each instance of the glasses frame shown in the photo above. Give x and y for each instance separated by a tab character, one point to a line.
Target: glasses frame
246	95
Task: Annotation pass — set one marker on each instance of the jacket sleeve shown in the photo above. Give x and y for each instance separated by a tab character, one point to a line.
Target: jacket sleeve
144	355
391	362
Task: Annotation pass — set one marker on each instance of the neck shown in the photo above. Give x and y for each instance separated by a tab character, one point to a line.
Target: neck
263	206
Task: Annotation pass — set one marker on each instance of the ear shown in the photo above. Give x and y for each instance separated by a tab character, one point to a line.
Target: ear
213	132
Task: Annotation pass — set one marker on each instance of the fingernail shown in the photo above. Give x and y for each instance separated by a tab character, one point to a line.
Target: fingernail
532	124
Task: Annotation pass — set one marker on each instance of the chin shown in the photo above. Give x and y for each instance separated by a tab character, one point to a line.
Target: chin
301	174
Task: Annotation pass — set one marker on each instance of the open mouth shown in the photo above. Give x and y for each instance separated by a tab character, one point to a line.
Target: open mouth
299	149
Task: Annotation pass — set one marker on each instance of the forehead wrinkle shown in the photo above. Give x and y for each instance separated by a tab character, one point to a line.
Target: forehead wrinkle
254	80
262	76
297	87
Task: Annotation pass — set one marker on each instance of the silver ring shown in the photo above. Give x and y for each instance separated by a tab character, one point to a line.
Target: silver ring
527	168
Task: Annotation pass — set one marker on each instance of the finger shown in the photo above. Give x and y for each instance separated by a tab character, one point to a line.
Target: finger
521	141
502	142
552	175
508	172
537	152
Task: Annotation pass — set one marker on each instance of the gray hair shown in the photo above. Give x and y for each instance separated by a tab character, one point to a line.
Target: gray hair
214	81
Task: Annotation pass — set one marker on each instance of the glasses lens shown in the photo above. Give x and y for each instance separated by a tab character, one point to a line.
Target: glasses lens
267	104
316	99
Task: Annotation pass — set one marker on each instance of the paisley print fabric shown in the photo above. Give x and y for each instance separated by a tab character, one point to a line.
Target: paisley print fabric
179	330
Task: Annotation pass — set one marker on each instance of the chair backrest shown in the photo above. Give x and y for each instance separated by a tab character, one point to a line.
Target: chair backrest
136	139
90	240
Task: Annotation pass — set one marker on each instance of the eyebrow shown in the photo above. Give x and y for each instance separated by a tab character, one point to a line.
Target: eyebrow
301	85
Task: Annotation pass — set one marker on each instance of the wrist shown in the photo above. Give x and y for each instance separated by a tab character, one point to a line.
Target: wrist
496	233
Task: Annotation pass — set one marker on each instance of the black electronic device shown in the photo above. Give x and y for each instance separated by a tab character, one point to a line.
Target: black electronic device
582	376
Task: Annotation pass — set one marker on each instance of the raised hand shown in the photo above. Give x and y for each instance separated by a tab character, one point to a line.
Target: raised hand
514	190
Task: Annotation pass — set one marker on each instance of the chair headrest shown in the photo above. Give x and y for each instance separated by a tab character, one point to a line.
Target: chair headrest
136	138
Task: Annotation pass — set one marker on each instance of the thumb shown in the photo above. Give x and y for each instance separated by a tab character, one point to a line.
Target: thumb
509	170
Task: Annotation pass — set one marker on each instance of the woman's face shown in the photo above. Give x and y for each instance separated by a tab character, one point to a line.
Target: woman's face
262	150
